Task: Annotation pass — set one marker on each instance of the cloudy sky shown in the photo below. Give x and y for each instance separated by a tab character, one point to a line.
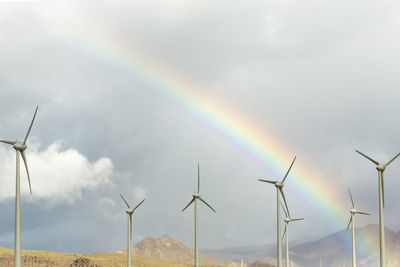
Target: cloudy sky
133	94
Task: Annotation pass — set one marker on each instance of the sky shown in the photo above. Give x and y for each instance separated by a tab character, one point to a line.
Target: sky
133	95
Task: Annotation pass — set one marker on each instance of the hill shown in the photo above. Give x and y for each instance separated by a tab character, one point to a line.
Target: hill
167	248
160	252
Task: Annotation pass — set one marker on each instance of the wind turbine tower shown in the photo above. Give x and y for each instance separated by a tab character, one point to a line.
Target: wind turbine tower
286	231
20	148
130	211
279	190
381	168
353	212
196	196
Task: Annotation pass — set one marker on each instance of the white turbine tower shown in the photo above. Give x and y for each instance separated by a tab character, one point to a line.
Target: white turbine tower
353	212
130	211
20	150
286	231
279	190
381	168
197	196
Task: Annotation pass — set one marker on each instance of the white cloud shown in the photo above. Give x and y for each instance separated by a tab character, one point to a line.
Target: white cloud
11	1
56	175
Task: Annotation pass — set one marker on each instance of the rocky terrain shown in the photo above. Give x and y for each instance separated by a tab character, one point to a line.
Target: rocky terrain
167	248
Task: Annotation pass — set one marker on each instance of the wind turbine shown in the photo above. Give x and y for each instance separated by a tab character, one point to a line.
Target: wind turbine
286	231
353	212
20	150
279	190
197	196
381	168
130	211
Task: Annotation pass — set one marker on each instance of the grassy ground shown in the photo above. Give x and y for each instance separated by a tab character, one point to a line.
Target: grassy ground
38	258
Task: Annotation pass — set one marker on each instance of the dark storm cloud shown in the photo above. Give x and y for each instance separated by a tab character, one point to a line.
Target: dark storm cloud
321	75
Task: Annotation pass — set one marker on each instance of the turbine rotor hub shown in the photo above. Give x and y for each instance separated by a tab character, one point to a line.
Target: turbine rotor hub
129	211
287	220
19	146
380	167
196	195
353	211
279	184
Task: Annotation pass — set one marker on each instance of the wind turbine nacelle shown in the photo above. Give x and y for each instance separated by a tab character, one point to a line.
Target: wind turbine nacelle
278	184
130	211
196	195
19	146
380	167
353	211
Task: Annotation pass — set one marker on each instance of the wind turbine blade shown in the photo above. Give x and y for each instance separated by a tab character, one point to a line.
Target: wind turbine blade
365	156
138	205
284	232
124	201
284	210
191	201
284	200
26	167
298	219
130	226
390	161
8	142
352	202
351	218
268	181
30	127
360	212
202	200
198	178
284	178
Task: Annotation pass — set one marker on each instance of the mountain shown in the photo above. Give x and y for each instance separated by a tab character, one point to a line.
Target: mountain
332	250
335	249
167	248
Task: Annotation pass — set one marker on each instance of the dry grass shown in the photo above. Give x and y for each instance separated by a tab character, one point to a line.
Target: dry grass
39	258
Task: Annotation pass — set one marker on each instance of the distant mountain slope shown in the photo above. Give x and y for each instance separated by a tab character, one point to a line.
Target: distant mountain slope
335	249
247	253
259	264
167	248
332	250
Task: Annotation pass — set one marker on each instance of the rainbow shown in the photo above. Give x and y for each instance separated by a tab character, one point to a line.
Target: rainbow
266	150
